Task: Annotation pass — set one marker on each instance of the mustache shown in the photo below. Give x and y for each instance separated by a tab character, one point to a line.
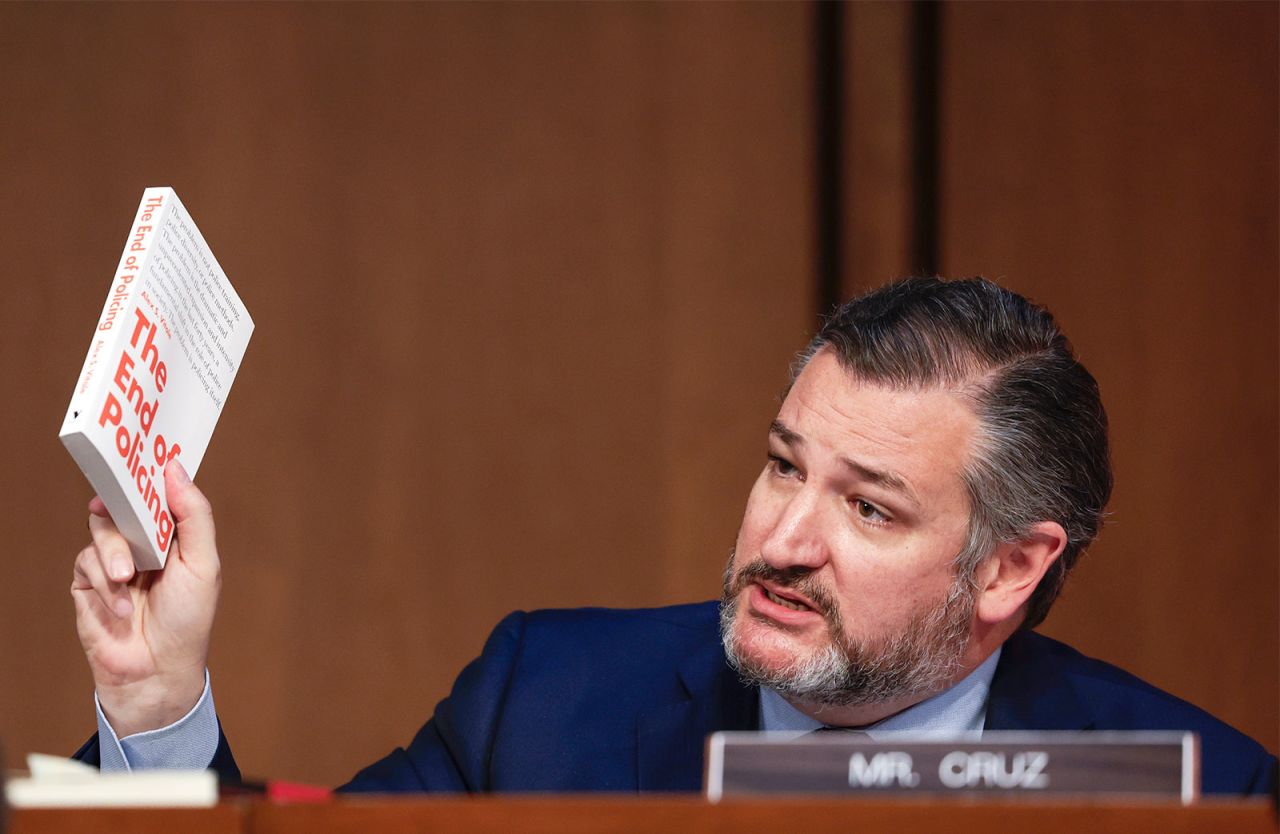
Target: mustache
798	579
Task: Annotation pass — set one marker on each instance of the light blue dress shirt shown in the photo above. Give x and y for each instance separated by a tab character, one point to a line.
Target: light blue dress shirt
188	743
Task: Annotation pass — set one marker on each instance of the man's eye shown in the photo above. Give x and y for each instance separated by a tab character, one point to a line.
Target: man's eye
781	465
869	511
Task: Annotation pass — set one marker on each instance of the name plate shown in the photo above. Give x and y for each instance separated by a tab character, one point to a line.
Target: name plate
1003	764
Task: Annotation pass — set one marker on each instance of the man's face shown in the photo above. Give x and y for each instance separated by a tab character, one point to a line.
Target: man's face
841	589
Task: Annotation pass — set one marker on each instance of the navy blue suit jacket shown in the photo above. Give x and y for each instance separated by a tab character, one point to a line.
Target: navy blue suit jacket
608	700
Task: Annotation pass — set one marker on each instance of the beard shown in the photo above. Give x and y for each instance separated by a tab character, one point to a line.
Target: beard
917	658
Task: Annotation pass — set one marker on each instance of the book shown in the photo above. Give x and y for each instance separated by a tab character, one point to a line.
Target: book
163	356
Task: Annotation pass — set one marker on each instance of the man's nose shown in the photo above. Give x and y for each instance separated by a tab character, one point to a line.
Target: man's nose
798	537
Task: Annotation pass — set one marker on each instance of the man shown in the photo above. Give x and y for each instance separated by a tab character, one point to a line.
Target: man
937	467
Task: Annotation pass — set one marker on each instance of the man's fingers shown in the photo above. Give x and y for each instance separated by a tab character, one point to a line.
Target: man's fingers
97	507
112	549
192	511
88	576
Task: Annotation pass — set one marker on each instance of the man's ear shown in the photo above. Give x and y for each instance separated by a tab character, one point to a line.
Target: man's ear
1012	572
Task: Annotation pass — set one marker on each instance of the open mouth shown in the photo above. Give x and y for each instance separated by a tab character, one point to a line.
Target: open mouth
785	602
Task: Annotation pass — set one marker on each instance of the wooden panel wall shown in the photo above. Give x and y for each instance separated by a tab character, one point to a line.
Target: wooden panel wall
526	278
878	182
1118	162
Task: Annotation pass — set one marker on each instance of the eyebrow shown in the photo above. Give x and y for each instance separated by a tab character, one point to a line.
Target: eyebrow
879	477
779	430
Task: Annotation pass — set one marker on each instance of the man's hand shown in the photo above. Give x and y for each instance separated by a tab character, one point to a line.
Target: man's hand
147	635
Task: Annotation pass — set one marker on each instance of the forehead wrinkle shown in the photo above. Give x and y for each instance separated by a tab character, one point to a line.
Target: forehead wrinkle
886	430
880	477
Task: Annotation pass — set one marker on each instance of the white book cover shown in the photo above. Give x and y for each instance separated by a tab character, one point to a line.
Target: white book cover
163	356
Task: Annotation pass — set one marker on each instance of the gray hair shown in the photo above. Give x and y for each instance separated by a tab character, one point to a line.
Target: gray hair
1041	453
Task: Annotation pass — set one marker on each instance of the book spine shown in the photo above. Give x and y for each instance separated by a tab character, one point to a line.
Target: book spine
87	432
113	323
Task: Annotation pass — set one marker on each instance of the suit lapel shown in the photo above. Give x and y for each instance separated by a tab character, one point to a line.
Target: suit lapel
670	738
1031	691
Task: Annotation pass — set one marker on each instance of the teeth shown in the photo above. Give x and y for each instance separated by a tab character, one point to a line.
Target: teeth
785	603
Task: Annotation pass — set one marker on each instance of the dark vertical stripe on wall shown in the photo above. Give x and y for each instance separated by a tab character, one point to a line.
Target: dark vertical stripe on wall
926	60
828	86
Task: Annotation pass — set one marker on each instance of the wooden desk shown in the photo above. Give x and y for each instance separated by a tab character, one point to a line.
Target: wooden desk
628	815
227	818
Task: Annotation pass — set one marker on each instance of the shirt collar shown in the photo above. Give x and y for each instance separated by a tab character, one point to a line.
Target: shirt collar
960	709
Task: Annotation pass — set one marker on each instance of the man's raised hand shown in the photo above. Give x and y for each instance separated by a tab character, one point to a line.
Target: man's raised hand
147	635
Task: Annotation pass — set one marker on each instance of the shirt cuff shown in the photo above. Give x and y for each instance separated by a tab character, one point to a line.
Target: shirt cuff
187	744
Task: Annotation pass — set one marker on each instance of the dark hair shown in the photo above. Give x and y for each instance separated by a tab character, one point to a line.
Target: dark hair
1041	451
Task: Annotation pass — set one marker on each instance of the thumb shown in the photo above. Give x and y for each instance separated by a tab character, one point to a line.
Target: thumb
191	511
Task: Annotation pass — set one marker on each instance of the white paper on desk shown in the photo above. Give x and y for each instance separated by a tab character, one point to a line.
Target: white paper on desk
55	782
